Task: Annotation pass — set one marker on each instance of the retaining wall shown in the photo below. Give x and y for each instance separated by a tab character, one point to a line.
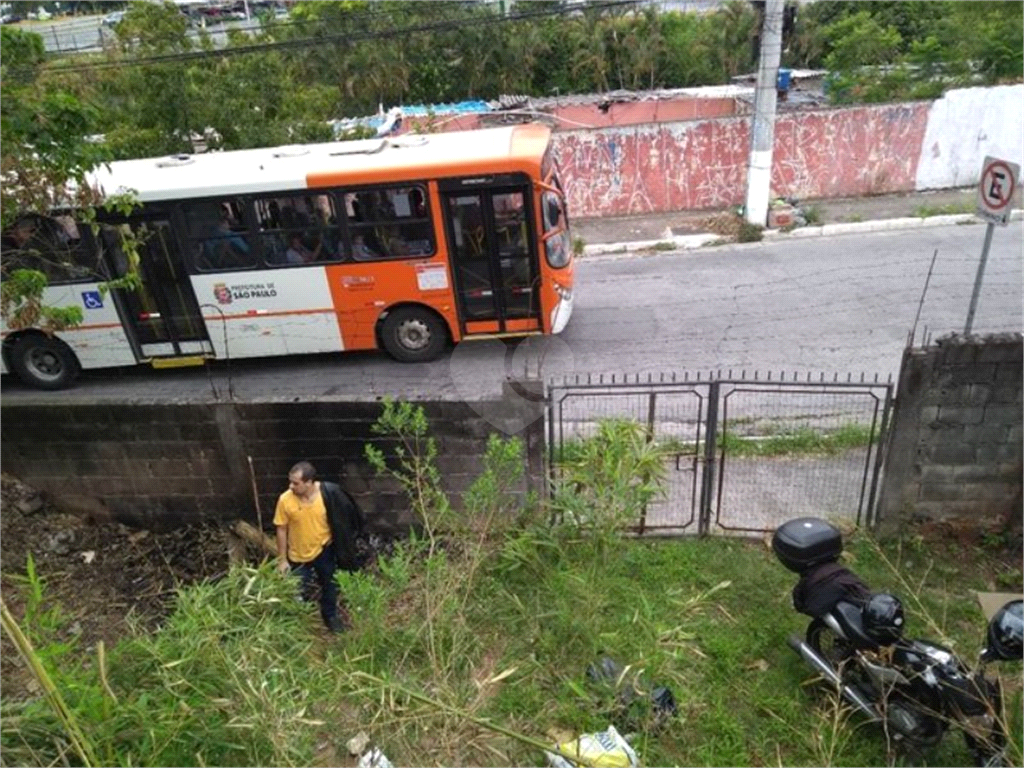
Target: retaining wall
955	447
160	465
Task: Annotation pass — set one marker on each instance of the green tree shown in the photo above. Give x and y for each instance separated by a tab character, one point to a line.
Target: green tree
153	28
989	37
680	66
860	40
45	150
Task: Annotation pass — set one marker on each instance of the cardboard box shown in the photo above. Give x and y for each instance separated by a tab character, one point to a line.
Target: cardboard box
779	217
993	601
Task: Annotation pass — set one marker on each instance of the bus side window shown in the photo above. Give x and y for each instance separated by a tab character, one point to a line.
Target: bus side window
298	229
218	235
391	222
54	245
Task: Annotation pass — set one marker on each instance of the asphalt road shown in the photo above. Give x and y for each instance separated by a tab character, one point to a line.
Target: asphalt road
843	304
82	34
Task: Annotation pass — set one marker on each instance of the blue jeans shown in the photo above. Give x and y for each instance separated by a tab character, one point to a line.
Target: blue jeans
321	567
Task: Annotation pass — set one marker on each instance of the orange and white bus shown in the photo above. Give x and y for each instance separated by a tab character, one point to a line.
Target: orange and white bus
404	243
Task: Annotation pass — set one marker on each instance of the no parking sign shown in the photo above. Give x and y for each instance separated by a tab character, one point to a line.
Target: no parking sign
995	189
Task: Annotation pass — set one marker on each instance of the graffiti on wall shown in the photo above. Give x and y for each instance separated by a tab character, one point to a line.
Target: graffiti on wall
703	164
849	152
641	169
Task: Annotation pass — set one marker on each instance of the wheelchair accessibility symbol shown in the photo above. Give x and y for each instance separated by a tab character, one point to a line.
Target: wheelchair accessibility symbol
92	300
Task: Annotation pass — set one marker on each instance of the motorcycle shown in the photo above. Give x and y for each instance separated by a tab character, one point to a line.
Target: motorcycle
915	689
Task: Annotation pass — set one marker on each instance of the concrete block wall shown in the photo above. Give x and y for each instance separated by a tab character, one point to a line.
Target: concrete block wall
159	465
955	449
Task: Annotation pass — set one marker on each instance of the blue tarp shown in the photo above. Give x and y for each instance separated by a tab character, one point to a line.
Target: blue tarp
414	110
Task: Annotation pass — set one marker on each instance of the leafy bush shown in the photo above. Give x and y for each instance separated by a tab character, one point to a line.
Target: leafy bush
749	233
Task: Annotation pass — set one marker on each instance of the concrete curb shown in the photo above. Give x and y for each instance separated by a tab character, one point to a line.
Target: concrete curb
690	242
681	243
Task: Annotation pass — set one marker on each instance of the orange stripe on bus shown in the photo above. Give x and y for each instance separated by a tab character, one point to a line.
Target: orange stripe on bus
262	313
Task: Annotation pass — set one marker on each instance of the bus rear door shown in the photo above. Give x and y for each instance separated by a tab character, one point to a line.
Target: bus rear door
161	315
493	258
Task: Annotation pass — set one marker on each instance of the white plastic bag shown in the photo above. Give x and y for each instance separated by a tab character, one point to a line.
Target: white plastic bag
374	758
606	749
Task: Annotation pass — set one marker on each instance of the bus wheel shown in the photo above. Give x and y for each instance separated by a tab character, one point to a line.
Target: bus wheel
413	334
43	362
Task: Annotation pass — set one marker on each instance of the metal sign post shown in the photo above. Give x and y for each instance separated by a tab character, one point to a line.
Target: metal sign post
995	191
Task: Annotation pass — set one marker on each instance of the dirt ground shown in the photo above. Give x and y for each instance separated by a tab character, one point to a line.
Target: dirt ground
97	573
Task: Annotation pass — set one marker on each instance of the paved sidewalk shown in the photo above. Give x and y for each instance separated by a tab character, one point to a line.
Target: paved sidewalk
687	229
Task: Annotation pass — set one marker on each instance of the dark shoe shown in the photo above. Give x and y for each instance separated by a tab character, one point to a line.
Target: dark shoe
335	625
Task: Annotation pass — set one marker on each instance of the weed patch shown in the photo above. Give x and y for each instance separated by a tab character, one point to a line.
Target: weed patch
749	233
470	643
949	209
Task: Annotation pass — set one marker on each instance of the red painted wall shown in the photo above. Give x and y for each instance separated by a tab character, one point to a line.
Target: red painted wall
702	164
849	152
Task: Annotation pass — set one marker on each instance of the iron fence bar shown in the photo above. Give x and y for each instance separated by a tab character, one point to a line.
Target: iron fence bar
696	459
867	460
880	450
721	468
651	402
643	387
551	441
708	476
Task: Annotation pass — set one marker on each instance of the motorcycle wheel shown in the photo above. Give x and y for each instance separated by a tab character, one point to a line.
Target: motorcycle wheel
916	736
833	648
990	751
839	653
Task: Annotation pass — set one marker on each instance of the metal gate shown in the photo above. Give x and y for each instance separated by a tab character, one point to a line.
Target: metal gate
742	455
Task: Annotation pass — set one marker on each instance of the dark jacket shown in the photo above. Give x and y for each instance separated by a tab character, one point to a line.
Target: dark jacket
824	585
346	522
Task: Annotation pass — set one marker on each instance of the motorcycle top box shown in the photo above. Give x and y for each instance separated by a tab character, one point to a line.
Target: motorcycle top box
806	542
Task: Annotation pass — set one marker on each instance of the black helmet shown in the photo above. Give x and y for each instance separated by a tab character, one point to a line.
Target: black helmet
1006	631
883	618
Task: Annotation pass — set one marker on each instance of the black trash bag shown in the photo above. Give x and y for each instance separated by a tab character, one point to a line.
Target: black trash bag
634	704
664	702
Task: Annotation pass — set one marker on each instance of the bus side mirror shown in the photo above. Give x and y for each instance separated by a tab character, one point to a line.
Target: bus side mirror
554	209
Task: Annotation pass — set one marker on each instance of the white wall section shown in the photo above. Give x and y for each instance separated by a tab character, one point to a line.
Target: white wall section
966	125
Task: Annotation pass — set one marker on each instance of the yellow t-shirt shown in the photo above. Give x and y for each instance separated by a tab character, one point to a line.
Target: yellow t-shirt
308	530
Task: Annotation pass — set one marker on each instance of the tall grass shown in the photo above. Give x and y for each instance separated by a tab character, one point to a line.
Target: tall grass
470	644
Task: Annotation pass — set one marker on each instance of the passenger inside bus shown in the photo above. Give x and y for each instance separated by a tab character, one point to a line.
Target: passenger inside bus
361	251
298	253
226	248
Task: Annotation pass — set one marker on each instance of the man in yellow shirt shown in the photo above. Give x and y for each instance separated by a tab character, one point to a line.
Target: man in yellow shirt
304	539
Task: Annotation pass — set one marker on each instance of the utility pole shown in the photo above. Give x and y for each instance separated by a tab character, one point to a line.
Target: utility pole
759	169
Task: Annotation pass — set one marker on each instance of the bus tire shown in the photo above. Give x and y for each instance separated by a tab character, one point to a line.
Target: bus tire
43	362
413	334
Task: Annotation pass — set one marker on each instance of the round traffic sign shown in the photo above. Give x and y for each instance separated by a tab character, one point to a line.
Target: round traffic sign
997	185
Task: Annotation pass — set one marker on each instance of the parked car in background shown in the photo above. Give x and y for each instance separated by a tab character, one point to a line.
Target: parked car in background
113	19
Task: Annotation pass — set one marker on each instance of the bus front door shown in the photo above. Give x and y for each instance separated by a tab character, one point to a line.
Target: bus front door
493	263
161	314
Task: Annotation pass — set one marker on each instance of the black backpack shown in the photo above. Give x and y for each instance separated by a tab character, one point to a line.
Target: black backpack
820	588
